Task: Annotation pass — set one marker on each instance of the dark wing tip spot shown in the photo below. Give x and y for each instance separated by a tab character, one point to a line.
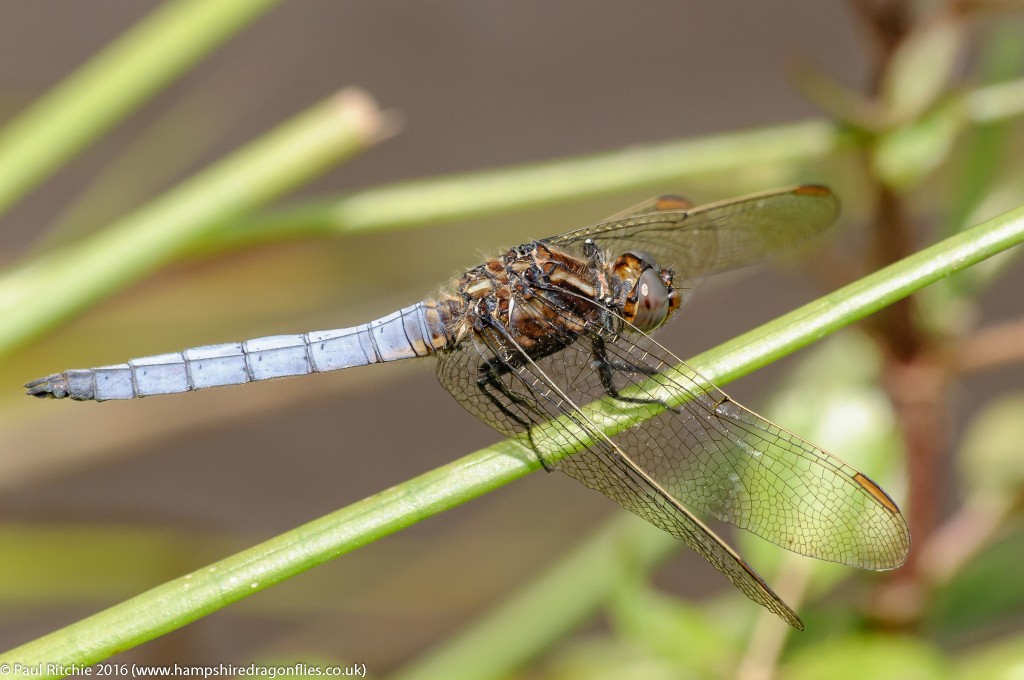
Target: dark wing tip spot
876	491
812	190
671	202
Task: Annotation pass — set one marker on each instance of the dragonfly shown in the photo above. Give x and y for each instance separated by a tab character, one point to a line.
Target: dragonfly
550	342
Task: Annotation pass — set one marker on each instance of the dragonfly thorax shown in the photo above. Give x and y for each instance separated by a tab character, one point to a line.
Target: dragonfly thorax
540	298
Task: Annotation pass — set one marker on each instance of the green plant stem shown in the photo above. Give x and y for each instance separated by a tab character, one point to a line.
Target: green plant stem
500	191
112	84
57	285
183	600
456	197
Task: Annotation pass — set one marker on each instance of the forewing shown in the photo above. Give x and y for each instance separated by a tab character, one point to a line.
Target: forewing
532	393
704	452
718	236
717	457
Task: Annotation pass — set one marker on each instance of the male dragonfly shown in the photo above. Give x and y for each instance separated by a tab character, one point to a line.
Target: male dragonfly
530	339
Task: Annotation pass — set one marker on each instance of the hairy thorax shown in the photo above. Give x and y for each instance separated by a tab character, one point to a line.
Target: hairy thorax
542	298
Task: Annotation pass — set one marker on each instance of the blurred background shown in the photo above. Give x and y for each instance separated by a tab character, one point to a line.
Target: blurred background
101	502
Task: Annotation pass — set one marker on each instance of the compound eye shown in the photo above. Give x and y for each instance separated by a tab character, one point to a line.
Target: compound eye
652	304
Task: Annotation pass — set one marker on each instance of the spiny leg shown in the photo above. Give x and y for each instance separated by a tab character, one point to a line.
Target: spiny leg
489	382
606	367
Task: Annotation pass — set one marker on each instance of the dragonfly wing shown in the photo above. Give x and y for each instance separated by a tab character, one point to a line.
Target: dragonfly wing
720	458
497	382
718	236
616	473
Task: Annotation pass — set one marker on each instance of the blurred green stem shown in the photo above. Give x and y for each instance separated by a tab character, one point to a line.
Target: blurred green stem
113	83
183	600
57	285
457	197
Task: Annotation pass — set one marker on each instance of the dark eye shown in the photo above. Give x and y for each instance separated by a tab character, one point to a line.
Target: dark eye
652	304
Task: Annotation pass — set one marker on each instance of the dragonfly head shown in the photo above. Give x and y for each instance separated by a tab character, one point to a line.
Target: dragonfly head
651	298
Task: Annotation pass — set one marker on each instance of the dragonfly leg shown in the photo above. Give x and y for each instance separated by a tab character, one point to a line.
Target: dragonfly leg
489	382
607	366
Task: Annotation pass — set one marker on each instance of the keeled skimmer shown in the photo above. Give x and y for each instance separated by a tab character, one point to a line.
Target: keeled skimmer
530	338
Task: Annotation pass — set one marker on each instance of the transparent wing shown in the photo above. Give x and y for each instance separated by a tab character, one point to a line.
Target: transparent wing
722	459
500	385
718	236
700	450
